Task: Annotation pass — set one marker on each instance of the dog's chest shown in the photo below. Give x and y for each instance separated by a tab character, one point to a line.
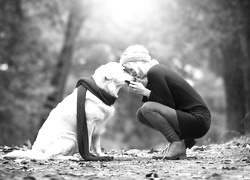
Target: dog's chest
96	110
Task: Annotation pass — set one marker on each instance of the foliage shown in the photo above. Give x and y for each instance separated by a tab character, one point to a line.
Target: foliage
186	35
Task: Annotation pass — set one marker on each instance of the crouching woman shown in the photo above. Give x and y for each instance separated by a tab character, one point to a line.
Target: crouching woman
172	106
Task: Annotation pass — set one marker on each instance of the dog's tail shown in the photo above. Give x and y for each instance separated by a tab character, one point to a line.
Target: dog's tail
29	154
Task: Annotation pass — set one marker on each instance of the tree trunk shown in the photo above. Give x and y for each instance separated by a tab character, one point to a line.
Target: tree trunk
246	68
234	86
245	47
246	14
64	61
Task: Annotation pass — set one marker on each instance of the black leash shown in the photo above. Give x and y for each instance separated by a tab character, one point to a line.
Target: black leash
83	85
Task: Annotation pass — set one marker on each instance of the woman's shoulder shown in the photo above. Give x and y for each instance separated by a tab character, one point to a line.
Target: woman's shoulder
160	70
164	72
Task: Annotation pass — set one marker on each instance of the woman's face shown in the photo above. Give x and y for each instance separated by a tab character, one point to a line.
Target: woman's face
135	69
132	70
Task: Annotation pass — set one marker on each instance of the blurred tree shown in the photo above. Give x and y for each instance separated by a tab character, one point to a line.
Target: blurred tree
233	50
20	62
227	26
245	46
75	19
10	17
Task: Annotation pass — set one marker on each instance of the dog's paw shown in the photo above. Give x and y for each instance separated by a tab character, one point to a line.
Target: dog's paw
73	158
100	153
108	158
61	157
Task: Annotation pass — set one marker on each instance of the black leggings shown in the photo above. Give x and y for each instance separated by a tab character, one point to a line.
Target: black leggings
161	118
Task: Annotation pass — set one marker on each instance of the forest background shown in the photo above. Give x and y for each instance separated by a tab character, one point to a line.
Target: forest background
45	46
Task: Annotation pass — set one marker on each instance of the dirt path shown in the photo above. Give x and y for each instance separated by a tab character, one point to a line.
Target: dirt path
217	161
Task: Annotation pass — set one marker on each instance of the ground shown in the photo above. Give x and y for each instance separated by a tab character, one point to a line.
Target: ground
229	160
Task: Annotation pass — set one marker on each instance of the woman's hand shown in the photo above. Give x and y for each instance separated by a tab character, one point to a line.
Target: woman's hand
139	88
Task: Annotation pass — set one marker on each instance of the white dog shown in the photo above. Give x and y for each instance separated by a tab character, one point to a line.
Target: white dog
57	138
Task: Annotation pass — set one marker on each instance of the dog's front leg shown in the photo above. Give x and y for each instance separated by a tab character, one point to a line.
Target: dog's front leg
91	128
92	141
96	144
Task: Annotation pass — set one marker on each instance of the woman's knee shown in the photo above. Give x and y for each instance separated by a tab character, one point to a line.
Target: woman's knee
140	116
142	119
163	110
147	108
154	109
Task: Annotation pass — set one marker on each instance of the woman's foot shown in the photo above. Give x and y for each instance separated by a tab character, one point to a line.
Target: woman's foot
175	150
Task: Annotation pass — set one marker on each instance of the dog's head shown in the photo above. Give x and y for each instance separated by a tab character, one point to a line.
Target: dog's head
111	77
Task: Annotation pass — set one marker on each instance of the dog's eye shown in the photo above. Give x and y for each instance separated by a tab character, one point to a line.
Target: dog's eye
125	70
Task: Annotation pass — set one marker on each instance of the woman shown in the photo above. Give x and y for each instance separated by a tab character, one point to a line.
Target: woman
171	106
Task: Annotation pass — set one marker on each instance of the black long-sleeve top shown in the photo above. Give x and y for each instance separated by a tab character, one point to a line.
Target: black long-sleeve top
169	88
